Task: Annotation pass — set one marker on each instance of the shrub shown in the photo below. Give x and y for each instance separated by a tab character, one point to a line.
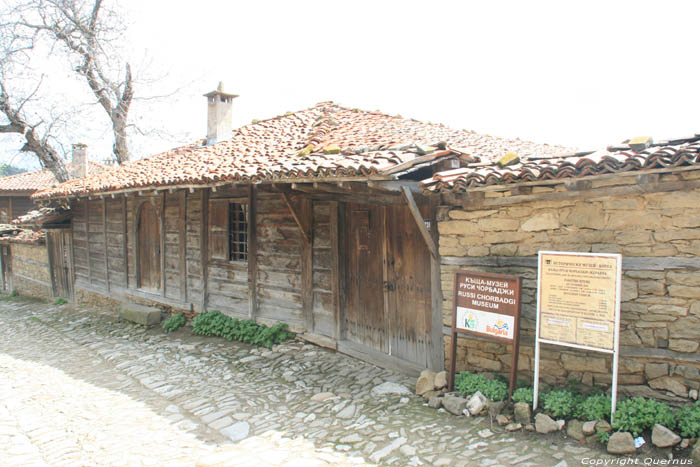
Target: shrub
215	323
523	395
595	407
174	323
638	414
689	420
60	301
468	383
560	403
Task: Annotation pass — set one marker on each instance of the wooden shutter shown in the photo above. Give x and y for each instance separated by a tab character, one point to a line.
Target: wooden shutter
218	230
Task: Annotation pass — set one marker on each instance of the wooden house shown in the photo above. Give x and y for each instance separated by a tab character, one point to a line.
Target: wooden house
313	218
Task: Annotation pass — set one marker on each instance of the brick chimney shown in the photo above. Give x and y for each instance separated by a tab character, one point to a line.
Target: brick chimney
79	165
219	105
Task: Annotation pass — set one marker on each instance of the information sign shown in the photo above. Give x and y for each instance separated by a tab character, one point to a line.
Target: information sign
578	304
488	305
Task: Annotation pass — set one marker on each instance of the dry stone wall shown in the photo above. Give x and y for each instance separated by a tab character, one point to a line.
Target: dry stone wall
660	322
30	270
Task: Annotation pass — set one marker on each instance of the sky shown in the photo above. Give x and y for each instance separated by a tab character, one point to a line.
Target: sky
579	74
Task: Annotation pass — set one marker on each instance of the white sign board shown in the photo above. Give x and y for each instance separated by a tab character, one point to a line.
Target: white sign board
494	324
578	305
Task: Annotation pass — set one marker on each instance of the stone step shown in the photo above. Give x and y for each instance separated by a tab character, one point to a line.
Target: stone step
140	314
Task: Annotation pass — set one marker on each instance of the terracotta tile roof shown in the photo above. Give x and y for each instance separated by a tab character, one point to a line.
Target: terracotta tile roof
38	179
324	141
18	235
614	159
41	216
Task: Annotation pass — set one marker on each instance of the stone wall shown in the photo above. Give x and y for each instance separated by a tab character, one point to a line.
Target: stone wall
30	270
96	300
660	322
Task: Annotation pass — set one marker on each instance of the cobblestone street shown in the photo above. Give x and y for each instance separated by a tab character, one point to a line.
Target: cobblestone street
80	387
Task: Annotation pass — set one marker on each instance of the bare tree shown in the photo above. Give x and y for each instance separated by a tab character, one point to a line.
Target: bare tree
89	33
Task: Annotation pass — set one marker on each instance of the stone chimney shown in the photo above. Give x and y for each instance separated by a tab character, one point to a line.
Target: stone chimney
79	165
219	105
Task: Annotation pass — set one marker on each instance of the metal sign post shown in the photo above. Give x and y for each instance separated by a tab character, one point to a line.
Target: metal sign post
487	305
578	306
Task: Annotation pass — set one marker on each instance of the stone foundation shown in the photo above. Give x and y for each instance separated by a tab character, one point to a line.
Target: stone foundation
660	321
93	299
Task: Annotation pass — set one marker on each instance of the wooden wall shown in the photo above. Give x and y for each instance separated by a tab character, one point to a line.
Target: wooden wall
323	318
12	207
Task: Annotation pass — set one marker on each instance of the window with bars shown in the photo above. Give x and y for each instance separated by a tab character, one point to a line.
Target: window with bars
228	230
238	232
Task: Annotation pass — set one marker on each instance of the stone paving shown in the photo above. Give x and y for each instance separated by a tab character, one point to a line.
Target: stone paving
80	387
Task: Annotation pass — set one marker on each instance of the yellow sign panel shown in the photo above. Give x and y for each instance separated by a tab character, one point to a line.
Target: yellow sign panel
578	299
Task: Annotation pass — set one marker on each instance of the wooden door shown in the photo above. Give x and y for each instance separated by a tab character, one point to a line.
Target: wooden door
149	248
409	295
6	268
364	299
58	243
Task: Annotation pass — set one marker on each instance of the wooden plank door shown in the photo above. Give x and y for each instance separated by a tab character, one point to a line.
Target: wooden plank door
6	268
365	322
149	248
58	242
409	295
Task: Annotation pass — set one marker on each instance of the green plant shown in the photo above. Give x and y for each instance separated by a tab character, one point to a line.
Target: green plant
468	383
523	395
215	323
561	403
60	301
603	436
689	420
175	322
638	414
595	407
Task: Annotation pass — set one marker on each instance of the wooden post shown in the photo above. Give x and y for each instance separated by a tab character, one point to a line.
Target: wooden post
387	274
252	253
334	223
162	244
87	239
436	357
204	242
125	240
182	225
307	298
49	252
104	231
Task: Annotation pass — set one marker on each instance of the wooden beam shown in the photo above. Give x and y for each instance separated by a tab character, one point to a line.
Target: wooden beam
204	242
334	227
419	221
297	218
125	243
104	231
162	244
252	253
182	227
436	356
307	295
87	238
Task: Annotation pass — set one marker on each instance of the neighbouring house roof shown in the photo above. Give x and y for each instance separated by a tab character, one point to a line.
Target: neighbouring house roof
29	182
41	216
14	234
532	168
324	141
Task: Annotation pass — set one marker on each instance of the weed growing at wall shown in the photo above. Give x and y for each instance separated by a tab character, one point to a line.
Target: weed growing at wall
493	389
215	323
60	301
523	395
175	322
689	420
638	414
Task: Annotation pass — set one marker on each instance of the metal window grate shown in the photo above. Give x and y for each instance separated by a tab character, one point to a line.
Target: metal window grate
238	232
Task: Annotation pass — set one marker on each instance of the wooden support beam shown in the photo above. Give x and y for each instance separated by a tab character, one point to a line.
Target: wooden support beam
162	244
182	234
307	295
252	253
104	231
336	291
436	355
125	243
204	251
304	232
419	221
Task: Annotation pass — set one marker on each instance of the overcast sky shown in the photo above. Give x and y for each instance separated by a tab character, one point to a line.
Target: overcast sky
581	74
